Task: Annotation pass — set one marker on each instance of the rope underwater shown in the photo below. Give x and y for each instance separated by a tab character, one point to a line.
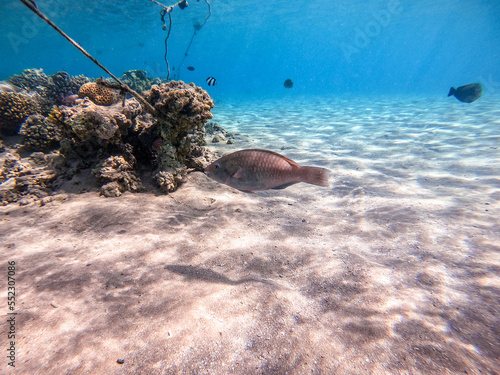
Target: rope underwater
148	107
197	26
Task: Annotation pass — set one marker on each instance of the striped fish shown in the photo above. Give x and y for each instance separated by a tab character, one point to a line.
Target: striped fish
251	170
211	81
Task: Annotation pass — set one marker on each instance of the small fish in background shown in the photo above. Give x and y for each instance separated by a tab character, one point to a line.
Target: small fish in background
468	93
253	169
288	83
211	81
190	68
69	100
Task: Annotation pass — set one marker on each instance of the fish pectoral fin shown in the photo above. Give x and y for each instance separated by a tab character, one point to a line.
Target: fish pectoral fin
283	186
239	174
248	191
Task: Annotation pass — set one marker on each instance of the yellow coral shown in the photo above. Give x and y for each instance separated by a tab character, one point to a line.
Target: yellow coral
99	94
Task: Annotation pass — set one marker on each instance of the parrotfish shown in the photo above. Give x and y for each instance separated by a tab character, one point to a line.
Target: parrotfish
251	170
467	93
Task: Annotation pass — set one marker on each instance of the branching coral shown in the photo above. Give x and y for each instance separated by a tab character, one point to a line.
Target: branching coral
14	109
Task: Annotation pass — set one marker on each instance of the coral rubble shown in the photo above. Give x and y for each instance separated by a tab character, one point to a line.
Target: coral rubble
26	179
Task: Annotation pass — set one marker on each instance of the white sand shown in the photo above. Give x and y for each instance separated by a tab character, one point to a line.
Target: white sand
394	269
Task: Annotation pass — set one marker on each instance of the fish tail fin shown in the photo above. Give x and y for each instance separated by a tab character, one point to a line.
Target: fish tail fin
452	91
315	175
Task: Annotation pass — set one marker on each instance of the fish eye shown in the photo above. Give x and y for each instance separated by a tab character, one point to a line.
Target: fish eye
217	165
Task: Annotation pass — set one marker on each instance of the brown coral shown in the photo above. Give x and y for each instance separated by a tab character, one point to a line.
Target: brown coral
99	94
38	134
182	107
87	121
14	108
119	176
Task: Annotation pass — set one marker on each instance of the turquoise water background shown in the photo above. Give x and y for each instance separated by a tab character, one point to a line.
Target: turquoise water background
376	47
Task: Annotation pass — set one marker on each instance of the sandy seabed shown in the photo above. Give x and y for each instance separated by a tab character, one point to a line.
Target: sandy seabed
393	269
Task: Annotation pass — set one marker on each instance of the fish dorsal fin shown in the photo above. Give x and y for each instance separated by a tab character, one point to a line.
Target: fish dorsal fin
290	161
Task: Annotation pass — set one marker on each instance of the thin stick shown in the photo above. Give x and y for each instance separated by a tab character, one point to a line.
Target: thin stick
148	107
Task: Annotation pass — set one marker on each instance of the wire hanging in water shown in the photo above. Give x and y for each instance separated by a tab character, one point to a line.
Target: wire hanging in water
197	26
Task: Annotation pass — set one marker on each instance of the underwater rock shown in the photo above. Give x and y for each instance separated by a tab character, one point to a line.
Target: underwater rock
14	109
118	175
37	134
218	134
99	94
26	179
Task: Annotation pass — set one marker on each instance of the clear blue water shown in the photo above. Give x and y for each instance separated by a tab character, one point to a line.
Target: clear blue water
392	269
377	47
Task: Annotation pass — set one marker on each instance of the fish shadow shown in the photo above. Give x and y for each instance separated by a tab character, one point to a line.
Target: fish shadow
191	273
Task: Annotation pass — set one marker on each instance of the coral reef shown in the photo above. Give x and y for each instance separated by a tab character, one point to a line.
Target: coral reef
38	134
99	94
87	129
30	79
138	80
111	142
118	176
26	179
14	109
6	86
46	90
183	110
